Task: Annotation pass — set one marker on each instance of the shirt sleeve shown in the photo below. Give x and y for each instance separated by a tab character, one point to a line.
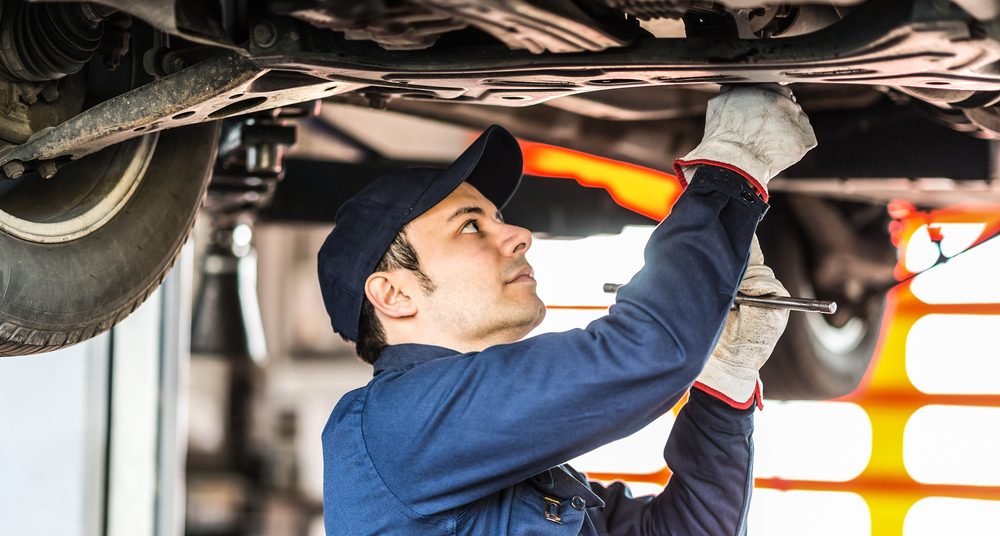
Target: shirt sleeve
456	429
710	452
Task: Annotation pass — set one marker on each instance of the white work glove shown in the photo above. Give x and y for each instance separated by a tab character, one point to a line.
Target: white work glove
757	129
747	340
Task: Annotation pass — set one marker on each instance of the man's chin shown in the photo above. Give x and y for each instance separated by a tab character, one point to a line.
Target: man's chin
527	320
534	319
541	314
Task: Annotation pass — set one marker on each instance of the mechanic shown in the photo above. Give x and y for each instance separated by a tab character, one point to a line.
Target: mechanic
465	428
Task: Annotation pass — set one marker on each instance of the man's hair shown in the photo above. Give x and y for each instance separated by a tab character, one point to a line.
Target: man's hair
371	334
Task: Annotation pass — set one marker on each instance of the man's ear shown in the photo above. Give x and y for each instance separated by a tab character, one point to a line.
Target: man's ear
384	291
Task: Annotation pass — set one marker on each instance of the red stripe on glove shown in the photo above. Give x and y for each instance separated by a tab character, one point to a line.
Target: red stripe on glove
678	170
756	398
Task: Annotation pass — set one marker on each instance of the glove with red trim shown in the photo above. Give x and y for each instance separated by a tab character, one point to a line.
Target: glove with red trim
747	340
755	130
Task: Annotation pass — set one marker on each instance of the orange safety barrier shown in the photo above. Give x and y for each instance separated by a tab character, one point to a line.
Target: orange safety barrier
889	399
886	393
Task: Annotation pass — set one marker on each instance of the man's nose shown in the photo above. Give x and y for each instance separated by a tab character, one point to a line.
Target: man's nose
517	240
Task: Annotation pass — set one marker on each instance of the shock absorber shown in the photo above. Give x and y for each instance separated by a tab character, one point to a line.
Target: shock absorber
47	41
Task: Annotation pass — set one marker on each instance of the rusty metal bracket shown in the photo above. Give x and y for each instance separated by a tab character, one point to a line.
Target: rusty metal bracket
220	87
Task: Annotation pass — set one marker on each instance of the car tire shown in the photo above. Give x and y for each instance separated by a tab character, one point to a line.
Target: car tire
82	250
814	359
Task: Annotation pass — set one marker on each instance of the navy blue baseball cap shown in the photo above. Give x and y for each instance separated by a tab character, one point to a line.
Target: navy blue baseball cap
368	222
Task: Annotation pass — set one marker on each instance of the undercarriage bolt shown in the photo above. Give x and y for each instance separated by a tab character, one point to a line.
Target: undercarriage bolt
265	34
377	101
47	169
50	92
174	62
13	169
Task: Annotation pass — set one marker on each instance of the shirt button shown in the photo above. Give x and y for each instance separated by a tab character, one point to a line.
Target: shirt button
578	502
747	196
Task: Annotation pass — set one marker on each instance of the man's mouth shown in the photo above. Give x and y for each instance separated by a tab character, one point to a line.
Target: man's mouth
524	275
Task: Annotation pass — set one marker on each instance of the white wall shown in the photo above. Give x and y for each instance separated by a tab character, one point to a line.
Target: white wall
57	457
52	438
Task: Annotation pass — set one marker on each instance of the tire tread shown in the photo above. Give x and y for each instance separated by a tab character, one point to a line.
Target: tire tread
27	341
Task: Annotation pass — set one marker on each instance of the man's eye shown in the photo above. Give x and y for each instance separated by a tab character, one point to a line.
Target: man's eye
470	227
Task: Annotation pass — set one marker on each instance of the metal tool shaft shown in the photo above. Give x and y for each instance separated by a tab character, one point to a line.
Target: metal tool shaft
794	304
774	302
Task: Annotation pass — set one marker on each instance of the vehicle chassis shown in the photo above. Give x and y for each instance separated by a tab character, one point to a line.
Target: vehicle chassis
927	44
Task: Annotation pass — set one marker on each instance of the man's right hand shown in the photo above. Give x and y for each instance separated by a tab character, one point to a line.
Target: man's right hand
748	338
756	130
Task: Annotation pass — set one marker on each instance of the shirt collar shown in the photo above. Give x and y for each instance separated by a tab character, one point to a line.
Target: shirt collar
400	356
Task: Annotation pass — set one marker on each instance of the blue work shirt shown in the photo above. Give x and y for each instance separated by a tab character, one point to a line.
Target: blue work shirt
441	442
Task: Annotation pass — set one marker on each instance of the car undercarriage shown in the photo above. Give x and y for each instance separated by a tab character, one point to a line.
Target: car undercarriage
105	101
931	51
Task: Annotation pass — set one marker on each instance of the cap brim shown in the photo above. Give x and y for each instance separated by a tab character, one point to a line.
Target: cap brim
498	165
493	164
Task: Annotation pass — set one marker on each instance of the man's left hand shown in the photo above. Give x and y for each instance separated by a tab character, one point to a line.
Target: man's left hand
747	340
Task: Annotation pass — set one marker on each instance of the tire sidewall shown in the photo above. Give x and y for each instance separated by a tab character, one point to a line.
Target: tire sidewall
57	294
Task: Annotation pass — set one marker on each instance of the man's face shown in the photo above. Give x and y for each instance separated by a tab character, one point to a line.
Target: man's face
485	289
